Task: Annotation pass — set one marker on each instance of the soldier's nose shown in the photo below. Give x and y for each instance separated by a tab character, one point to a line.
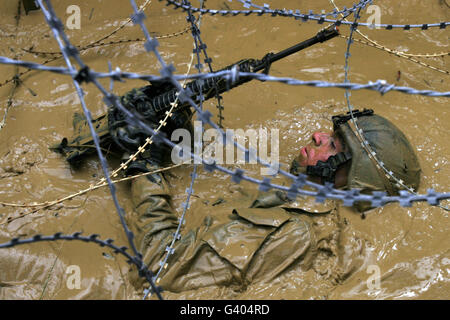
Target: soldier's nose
316	138
321	139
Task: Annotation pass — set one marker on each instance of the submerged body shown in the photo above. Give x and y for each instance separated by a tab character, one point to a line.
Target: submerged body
244	240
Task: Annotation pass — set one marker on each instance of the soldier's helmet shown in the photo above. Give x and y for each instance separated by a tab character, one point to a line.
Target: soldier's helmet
392	149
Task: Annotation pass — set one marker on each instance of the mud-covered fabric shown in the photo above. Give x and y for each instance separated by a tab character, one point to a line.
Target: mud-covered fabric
391	147
254	243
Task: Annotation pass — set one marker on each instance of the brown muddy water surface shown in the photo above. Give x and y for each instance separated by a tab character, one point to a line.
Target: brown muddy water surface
410	246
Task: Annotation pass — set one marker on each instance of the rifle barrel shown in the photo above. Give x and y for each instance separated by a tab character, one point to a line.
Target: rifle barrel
163	101
320	37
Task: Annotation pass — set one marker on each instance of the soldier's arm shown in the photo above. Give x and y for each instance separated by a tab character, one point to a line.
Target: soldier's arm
155	222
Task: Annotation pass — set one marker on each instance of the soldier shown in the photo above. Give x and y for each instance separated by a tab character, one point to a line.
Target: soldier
247	240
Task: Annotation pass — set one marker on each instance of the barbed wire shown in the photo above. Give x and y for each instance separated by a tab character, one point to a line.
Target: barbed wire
59	55
401	54
348	197
123	166
142	7
93	238
60	36
323	191
20	74
442	25
198	46
375	44
359	133
101	182
95	44
238	176
109	43
99	42
201	46
248	4
320	18
381	86
68	51
370	42
75	236
189	191
16	81
92	187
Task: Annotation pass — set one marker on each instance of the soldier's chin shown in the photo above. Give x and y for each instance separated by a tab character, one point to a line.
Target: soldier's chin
296	167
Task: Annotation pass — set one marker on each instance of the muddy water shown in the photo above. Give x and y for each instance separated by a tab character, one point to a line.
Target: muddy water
409	246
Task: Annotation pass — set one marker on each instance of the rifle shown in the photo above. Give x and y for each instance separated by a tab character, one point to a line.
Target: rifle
82	142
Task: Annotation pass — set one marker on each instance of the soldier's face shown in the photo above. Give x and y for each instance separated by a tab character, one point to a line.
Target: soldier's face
322	146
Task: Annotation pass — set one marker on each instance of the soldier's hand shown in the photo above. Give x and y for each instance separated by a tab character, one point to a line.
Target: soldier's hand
129	137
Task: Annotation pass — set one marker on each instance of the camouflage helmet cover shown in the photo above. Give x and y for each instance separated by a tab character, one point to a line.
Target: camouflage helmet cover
391	147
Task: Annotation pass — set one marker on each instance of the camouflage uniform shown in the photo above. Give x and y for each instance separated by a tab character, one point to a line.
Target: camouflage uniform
261	239
240	242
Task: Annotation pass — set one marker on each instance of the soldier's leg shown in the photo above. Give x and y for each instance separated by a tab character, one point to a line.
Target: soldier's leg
153	220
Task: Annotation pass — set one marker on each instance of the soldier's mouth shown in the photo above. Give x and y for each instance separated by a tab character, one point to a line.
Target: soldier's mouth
304	152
